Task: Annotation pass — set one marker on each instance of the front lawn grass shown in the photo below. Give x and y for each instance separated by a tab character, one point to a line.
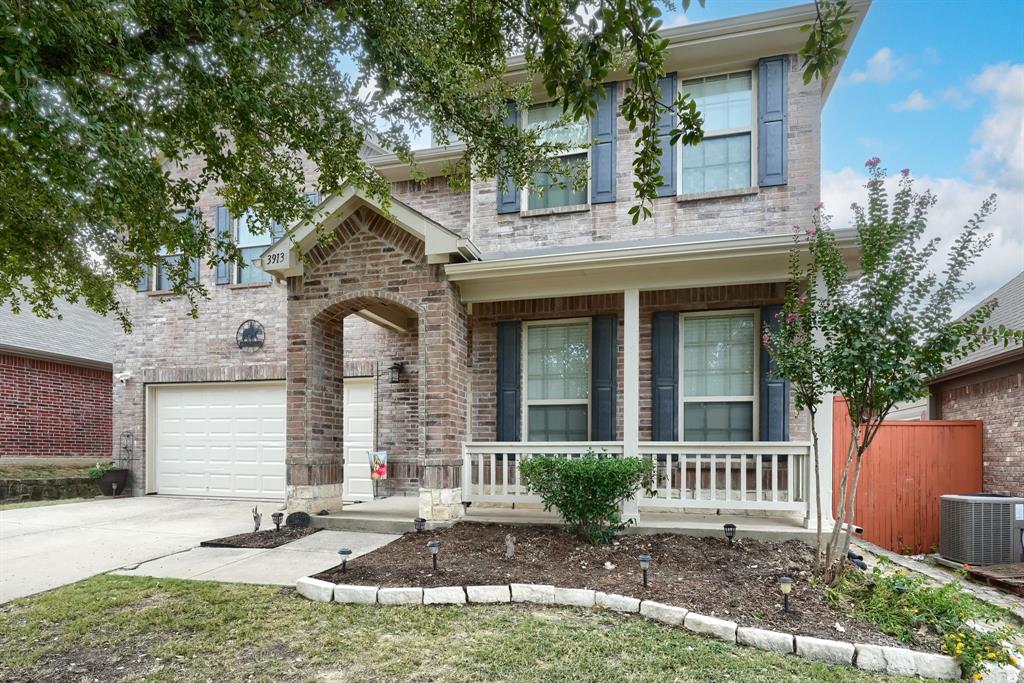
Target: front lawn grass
117	628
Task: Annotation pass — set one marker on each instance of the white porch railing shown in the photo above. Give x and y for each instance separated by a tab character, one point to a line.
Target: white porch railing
727	476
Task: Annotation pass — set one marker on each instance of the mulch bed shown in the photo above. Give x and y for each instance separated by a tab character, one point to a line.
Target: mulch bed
268	538
738	583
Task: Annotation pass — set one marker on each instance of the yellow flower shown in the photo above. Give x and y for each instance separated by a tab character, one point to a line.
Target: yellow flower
1013	660
977	677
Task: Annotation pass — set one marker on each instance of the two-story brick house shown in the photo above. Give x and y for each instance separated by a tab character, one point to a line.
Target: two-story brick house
462	331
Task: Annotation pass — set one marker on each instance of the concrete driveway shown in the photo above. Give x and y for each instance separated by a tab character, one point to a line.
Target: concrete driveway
46	547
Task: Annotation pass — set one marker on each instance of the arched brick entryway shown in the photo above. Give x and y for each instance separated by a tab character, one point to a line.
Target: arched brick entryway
372	263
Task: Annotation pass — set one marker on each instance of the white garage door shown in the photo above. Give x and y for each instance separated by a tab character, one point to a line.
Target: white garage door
359	439
219	440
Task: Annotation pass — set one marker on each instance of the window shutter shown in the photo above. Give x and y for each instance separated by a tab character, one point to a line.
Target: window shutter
774	392
509	362
665	376
602	149
508	191
666	123
772	132
223	228
143	284
603	385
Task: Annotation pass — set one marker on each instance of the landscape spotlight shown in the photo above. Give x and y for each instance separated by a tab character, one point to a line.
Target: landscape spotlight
419	523
785	585
277	517
730	531
434	547
645	564
344	552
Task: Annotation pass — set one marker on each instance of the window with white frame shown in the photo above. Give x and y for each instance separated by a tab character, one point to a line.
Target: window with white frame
719	375
161	276
546	193
723	160
557	397
251	245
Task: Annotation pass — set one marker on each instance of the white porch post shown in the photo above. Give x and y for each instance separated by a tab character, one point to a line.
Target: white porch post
631	390
824	427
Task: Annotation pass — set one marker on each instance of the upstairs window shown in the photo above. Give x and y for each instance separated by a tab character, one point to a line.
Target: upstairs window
722	161
160	276
251	245
546	192
557	373
719	367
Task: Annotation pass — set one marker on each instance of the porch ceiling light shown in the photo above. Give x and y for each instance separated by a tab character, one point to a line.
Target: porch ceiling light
419	523
344	552
277	517
645	564
785	585
434	547
730	531
395	373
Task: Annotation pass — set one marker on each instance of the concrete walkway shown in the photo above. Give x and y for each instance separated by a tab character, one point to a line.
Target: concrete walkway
46	547
281	566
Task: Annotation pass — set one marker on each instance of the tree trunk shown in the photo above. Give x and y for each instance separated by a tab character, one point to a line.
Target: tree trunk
833	543
817	494
853	502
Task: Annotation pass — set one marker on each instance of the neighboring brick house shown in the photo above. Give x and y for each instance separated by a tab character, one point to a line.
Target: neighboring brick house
55	380
543	321
988	385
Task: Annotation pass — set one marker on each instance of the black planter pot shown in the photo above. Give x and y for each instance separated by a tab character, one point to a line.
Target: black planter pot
110	478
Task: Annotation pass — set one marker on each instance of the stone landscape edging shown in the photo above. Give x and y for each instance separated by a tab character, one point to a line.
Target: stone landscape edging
875	658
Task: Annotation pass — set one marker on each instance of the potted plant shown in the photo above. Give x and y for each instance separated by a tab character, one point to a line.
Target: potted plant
111	479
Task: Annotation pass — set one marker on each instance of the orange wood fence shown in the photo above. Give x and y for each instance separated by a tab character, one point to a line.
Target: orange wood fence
907	467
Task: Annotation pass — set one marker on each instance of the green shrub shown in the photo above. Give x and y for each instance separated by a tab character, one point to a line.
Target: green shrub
902	604
99	469
587	490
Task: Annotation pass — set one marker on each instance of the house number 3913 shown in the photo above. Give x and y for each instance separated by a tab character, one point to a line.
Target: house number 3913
275	259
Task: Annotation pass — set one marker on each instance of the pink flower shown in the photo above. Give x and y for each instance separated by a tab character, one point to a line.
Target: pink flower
872	162
905	172
778	315
821	205
802	300
811	232
765	338
790	317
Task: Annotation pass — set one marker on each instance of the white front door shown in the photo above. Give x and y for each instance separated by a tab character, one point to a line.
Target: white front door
223	440
359	438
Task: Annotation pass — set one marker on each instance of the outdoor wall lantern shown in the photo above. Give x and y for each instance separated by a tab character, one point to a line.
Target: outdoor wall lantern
419	523
785	585
395	373
344	552
434	547
277	517
730	531
645	564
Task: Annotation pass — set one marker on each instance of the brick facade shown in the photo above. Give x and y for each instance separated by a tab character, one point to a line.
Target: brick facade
50	409
996	398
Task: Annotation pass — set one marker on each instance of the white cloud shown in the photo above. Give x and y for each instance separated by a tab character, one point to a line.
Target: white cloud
882	67
999	140
957	97
916	101
678	20
997	158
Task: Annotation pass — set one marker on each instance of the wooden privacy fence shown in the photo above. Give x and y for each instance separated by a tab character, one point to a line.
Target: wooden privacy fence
907	467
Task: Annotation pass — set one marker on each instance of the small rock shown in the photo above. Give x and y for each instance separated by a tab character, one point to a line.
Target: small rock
840	627
609	566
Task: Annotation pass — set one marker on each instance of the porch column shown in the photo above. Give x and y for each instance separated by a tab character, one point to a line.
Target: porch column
631	389
823	423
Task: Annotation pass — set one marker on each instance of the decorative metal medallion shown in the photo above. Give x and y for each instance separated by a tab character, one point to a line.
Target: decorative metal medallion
250	335
299	520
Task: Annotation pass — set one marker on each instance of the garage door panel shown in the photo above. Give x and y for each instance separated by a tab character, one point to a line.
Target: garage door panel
223	441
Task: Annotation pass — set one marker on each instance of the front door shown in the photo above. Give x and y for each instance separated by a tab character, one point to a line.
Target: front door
359	438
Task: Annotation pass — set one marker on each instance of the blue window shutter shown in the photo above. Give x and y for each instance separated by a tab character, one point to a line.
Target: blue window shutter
508	191
665	376
666	123
772	121
143	283
602	149
774	392
603	385
509	362
223	228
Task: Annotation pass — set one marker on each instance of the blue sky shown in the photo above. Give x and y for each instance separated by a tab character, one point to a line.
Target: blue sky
936	86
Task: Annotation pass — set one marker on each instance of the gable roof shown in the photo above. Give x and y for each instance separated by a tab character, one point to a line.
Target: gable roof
441	245
80	337
1008	312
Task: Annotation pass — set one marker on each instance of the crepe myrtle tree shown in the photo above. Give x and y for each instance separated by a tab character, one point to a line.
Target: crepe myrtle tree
115	115
875	334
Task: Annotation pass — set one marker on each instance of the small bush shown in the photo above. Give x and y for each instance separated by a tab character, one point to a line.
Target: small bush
903	604
99	469
587	490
